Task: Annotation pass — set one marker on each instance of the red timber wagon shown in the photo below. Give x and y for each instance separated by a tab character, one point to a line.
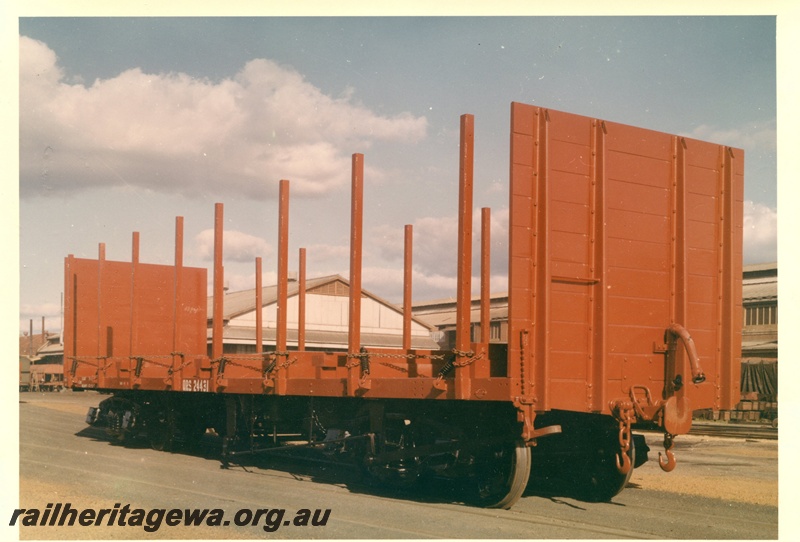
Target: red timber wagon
625	251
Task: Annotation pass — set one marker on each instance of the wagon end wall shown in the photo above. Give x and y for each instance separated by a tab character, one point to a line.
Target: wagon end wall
618	234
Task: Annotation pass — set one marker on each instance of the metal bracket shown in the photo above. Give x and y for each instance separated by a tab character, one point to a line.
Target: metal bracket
362	382
526	415
660	348
440	383
221	381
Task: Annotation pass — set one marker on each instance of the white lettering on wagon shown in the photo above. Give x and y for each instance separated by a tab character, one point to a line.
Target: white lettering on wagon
195	384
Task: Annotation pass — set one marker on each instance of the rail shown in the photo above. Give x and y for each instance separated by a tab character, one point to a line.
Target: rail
747	431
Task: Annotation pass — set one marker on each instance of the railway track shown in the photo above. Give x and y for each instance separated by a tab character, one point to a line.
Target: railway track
747	431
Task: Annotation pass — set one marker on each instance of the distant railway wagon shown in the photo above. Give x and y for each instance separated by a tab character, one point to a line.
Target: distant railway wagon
625	251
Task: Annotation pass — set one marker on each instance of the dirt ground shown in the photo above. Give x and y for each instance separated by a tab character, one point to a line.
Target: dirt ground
738	470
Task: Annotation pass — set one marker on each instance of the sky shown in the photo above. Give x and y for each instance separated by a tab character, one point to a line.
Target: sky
127	122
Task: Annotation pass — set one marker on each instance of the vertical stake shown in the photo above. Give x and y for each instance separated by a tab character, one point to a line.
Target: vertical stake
356	224
283	280
301	302
134	339
101	258
486	243
464	293
407	274
177	307
482	366
259	309
219	285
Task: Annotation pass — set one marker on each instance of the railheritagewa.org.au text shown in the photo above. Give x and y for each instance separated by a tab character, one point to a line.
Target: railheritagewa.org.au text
151	520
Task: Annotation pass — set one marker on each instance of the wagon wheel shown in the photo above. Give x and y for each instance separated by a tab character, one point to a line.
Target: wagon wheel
599	480
502	474
161	428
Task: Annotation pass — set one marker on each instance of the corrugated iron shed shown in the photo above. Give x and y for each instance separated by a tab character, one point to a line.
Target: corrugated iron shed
244	301
238	305
760	283
441	312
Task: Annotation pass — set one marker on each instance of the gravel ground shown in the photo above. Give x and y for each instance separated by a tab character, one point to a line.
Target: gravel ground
738	470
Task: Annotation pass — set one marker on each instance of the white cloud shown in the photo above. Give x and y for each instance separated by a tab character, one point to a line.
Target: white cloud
174	133
434	257
387	282
435	246
320	256
755	136
236	246
760	233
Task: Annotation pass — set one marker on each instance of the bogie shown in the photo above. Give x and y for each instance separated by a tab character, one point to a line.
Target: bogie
582	461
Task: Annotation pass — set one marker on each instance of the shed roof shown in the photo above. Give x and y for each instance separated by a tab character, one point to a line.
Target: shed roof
30	344
760	282
51	349
446	317
442	312
243	302
752	269
43	344
759	291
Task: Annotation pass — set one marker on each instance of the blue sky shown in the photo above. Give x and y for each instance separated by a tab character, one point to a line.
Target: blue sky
127	122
